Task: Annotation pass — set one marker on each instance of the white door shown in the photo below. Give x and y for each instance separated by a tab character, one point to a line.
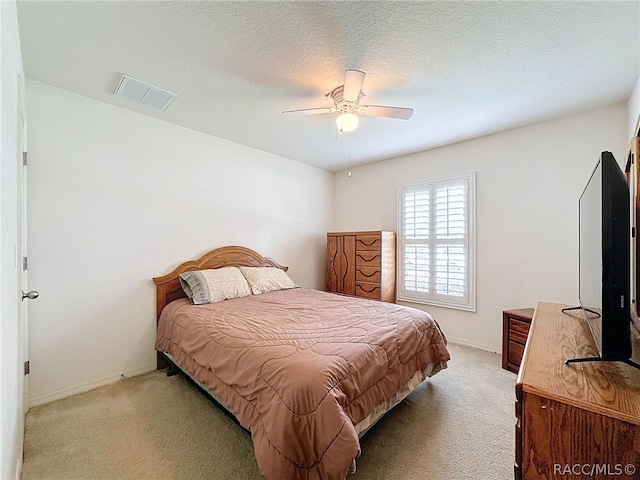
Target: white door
23	326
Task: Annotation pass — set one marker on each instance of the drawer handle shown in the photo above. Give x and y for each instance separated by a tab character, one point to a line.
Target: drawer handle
368	244
365	275
367	259
368	291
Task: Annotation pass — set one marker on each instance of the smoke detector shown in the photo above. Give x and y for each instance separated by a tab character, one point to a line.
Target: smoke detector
143	93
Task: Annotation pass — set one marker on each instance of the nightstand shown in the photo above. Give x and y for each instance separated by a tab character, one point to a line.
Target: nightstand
515	328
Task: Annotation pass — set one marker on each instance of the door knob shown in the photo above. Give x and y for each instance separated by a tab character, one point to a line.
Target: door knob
32	295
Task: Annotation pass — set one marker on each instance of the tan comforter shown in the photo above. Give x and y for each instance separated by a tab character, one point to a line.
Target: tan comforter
299	368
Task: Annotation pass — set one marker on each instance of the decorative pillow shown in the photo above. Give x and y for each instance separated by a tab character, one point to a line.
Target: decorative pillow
266	279
215	285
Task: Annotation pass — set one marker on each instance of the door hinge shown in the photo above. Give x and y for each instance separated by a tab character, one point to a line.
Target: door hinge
26	367
25	158
25	263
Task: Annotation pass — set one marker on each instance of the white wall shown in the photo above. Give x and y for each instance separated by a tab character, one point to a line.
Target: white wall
528	183
11	344
116	198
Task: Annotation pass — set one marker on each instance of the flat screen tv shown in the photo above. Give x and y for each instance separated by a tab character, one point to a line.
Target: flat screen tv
604	261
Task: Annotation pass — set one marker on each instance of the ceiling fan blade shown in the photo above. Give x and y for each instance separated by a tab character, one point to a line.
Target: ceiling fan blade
353	80
390	112
310	111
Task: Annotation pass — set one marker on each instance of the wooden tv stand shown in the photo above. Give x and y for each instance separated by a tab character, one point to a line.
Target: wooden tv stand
572	420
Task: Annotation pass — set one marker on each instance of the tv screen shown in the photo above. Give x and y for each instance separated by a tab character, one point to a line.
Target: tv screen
604	260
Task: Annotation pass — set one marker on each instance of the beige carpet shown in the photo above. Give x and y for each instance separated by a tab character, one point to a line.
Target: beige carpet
457	425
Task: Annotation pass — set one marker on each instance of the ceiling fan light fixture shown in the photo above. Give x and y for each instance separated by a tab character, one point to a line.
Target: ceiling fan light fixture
347	122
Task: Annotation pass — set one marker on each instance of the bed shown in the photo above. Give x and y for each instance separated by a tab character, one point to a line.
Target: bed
306	372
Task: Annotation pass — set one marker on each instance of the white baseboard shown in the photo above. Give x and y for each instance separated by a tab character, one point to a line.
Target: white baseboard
466	343
67	392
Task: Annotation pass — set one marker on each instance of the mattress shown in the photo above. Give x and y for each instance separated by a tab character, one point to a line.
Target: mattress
304	371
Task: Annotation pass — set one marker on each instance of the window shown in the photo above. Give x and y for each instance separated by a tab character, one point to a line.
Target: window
436	251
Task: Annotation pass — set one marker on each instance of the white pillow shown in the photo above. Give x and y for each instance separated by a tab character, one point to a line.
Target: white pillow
215	285
266	279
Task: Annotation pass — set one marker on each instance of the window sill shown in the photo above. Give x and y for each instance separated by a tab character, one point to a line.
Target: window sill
456	306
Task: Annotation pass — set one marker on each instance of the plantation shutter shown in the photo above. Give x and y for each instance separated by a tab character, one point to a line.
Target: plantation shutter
417	252
436	243
450	239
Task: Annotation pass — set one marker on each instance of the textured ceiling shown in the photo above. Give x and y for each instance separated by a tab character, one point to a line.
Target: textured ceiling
467	68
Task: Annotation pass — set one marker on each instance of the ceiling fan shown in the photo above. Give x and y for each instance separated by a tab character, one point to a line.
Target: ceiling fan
346	100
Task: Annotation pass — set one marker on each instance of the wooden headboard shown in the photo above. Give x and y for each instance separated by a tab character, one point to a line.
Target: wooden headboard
168	286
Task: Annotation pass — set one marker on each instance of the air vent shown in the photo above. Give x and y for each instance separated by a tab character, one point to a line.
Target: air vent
144	93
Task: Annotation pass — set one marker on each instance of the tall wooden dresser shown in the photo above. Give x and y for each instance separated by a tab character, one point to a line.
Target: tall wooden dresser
362	264
574	421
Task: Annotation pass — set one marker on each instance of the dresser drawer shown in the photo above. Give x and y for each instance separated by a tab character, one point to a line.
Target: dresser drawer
368	290
368	274
518	330
516	351
368	242
367	259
